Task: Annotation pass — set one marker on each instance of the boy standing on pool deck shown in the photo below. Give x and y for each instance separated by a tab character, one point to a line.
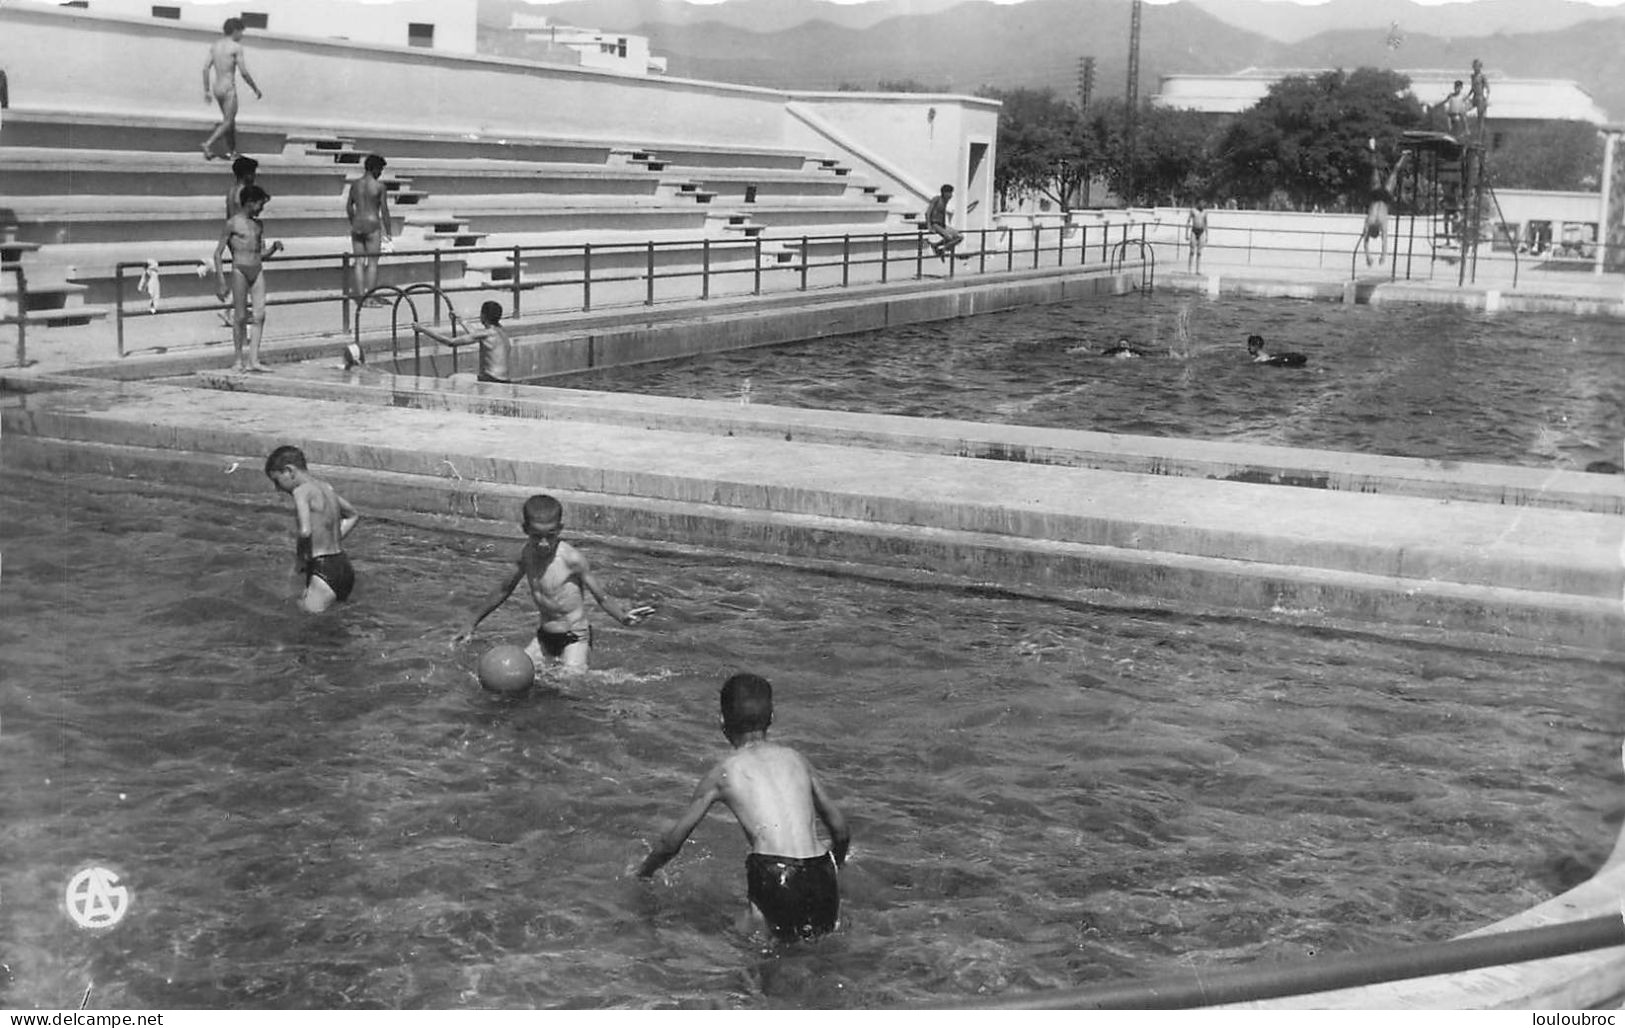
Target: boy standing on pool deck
244	236
775	794
367	207
324	518
558	575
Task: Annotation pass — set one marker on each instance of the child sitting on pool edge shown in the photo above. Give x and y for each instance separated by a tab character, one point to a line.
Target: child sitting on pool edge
558	574
791	879
324	518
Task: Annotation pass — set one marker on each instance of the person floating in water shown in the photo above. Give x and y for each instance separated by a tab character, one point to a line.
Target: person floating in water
1255	350
1122	349
791	878
1382	194
324	518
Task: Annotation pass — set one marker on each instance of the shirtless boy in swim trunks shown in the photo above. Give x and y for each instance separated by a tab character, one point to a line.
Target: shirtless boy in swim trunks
1197	228
936	224
244	236
790	876
368	210
495	344
1382	193
226	59
324	519
558	575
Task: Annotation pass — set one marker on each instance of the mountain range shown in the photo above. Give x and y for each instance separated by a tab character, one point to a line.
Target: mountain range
962	45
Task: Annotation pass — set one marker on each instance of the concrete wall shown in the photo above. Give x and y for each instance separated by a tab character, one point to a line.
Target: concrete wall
455	21
931	136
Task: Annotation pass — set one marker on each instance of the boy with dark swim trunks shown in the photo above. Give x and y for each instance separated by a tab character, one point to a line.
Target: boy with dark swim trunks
791	878
367	207
244	236
1197	229
324	518
558	575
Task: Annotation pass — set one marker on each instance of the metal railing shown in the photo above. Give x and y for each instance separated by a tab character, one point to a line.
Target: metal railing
16	268
633	270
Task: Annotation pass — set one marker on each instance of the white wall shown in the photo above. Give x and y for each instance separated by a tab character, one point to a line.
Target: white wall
454	21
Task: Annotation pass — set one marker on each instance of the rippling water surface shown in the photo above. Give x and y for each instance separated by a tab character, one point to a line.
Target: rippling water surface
328	812
1413	381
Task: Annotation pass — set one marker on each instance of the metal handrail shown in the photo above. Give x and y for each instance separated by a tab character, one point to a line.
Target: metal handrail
1148	268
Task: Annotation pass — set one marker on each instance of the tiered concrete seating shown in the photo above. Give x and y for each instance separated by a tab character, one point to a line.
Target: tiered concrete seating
96	189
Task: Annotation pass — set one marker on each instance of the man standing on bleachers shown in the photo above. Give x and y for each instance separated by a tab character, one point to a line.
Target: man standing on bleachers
226	59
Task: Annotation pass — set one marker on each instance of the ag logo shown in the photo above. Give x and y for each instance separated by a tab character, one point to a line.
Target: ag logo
96	900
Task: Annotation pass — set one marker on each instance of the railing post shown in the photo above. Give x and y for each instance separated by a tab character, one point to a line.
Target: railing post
705	269
586	276
846	260
518	287
437	287
1083	245
649	276
885	255
804	261
919	256
1060	246
1009	250
345	281
1038	233
118	309
756	272
981	251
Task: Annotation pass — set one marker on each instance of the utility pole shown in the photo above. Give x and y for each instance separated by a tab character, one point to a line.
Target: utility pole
1132	101
1086	82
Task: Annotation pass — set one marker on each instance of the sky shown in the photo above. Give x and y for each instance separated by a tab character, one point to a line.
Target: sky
1307	3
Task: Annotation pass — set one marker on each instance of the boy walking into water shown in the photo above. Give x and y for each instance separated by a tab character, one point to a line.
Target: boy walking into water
558	576
495	345
226	59
368	210
775	794
324	518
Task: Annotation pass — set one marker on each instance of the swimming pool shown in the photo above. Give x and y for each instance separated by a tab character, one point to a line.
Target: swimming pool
328	812
1412	381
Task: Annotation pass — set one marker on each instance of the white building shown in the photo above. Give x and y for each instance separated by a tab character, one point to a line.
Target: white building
1514	103
590	48
449	26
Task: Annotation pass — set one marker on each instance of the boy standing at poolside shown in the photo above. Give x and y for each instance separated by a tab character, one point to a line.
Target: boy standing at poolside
324	518
367	207
226	59
775	794
495	345
558	575
244	236
1196	227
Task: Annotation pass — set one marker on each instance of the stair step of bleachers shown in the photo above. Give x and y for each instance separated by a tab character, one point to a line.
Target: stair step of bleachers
61	317
86	129
51	171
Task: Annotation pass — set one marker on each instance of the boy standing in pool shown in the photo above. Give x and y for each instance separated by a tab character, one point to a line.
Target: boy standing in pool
324	518
495	344
791	878
558	575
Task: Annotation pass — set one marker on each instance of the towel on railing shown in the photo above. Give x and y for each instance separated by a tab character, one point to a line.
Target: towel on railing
152	285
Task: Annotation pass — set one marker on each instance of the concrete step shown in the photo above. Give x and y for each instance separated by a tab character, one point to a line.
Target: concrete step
483	466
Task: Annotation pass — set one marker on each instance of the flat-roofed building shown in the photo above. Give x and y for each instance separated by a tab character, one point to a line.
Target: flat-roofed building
590	48
1515	103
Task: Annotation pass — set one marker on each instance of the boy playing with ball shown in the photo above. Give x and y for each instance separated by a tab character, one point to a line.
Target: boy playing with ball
324	518
558	575
790	876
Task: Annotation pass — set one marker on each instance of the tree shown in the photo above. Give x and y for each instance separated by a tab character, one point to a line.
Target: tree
1307	139
1557	155
1041	149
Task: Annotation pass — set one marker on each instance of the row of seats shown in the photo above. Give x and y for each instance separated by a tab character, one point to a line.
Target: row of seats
90	190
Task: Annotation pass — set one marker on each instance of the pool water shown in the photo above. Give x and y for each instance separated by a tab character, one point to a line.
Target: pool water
328	812
1543	390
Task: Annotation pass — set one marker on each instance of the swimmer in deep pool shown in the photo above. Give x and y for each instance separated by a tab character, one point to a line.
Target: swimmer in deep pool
1255	350
1122	349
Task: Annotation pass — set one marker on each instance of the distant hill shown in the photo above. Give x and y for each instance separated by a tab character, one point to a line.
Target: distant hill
1291	23
812	44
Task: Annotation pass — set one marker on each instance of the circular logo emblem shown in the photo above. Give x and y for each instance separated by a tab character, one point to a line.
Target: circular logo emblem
96	900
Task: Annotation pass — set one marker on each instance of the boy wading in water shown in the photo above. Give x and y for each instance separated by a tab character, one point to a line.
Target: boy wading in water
244	236
324	518
558	575
226	59
774	792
